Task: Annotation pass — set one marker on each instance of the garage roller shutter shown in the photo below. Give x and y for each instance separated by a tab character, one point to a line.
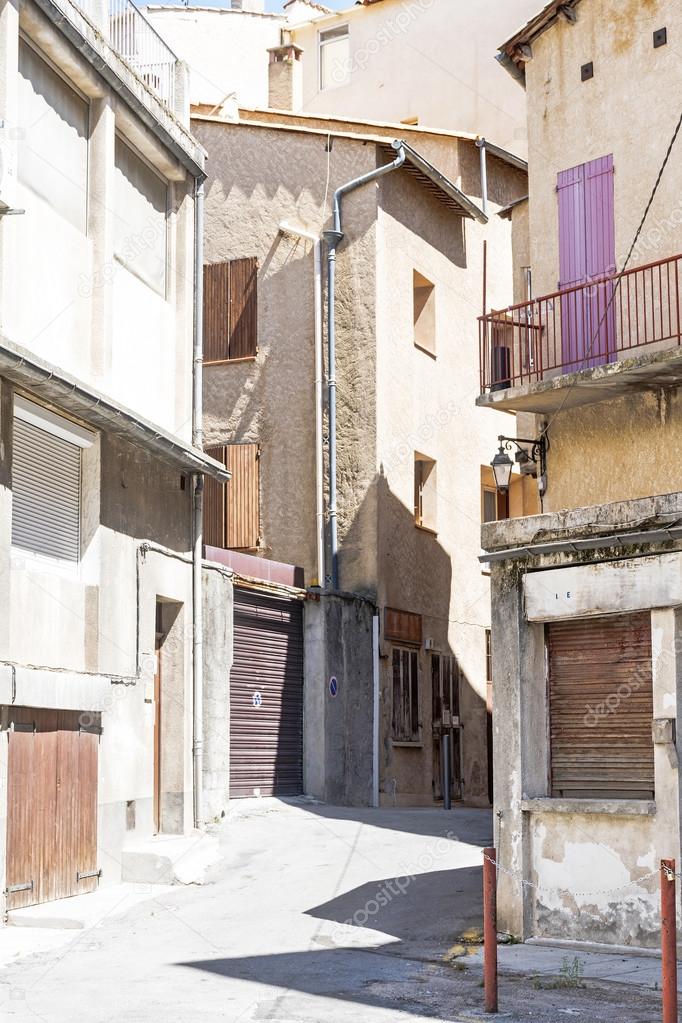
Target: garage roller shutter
601	708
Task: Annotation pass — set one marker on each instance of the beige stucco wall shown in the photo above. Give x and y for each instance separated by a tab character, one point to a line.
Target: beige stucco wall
426	404
615	449
393	399
398	45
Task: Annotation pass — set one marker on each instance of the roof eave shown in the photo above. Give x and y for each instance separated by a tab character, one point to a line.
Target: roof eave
466	206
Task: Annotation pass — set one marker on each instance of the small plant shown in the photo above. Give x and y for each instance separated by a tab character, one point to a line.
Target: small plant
571	972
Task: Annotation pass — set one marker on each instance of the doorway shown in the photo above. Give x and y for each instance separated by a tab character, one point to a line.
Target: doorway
446	721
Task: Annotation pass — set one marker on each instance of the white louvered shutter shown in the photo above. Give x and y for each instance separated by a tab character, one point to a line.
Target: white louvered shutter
46	485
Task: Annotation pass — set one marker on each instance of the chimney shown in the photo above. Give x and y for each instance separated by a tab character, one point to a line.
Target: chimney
285	75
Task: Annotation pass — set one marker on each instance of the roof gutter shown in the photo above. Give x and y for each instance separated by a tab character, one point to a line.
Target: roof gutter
428	170
26	370
615	540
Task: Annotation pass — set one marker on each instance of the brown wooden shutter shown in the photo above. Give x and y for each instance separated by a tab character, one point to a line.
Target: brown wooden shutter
243	308
601	708
216	312
243	496
215	505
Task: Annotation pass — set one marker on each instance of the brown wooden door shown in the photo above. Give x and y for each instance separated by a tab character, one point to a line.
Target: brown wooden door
51	805
445	718
157	730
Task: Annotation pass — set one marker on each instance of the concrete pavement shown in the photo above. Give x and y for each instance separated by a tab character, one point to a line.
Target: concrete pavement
315	915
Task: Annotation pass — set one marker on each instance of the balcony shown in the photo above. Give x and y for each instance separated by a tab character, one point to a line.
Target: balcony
586	343
136	41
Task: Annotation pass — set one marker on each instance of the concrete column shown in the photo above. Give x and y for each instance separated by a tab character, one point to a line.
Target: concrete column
182	97
519	742
666	636
10	132
100	287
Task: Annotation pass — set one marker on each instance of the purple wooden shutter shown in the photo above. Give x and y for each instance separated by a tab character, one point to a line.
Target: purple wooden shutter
587	251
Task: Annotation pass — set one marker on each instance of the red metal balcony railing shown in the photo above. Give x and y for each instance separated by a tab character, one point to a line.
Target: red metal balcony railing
581	327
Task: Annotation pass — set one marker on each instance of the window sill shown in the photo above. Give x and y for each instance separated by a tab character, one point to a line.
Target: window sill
425	350
230	362
405	744
612	807
426	529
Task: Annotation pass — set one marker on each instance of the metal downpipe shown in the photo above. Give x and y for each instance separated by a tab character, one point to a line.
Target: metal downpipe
197	516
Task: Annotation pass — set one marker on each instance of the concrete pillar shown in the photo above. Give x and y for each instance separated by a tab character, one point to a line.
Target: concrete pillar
666	637
10	132
100	286
285	78
182	100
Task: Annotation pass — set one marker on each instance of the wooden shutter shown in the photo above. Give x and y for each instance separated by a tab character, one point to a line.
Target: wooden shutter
601	708
216	312
243	496
231	310
214	505
46	481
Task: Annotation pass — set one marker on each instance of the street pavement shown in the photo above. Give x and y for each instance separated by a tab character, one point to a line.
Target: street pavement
314	915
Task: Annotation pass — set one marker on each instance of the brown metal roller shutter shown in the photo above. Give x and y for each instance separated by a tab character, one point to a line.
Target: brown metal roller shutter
266	696
51	805
601	707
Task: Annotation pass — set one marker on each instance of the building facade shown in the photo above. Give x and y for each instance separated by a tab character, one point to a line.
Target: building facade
367	62
396	646
585	600
98	467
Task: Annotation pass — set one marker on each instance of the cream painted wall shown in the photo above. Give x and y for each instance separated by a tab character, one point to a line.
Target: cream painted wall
226	50
398	46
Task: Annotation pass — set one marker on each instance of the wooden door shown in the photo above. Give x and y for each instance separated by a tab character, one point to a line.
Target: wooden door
446	721
51	805
157	725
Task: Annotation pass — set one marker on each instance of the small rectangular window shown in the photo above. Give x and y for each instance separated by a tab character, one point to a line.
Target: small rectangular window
334	57
53	144
425	492
405	695
231	310
232	510
424	311
46	481
495	505
140	218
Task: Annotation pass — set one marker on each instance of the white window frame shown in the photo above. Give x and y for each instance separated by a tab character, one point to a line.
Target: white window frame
321	43
120	137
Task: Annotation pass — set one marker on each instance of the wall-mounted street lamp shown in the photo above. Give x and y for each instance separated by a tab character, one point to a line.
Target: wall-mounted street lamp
7	211
502	464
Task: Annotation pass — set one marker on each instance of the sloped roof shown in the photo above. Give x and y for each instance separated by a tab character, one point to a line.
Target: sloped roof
518	49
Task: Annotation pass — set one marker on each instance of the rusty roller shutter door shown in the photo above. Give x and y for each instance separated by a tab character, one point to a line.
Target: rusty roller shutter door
601	708
266	696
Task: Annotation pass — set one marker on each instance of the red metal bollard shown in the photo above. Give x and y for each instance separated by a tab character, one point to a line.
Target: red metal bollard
490	929
669	941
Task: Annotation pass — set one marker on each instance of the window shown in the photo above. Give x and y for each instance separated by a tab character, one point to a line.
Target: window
495	505
424	309
140	218
425	493
231	310
405	695
232	509
601	707
53	146
46	481
488	655
334	57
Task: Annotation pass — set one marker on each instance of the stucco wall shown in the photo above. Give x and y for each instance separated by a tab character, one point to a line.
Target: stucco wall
426	405
258	179
569	123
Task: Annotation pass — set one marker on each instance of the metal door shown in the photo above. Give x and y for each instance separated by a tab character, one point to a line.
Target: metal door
51	805
266	696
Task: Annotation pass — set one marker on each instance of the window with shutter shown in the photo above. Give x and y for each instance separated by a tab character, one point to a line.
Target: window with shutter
231	310
46	481
405	695
601	707
232	510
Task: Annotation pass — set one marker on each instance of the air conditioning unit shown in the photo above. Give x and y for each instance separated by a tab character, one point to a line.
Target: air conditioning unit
429	644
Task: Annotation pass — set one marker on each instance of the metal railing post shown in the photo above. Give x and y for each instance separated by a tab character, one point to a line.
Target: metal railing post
669	941
490	929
